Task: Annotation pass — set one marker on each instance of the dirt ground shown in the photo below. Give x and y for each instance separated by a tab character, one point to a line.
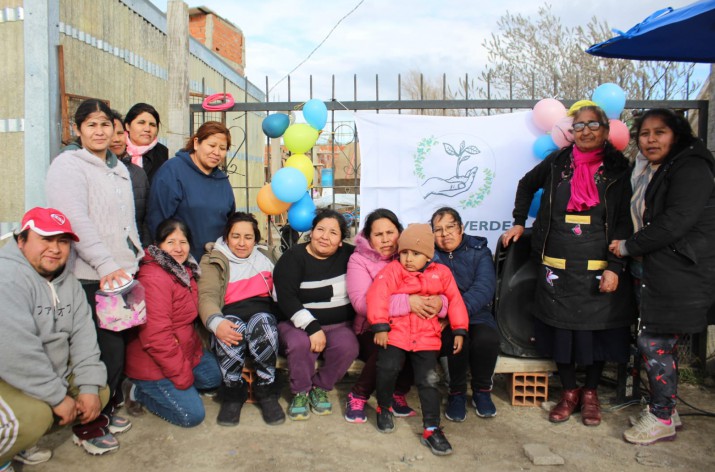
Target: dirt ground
328	443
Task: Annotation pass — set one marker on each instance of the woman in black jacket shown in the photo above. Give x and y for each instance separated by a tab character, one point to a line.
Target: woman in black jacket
583	304
142	126
673	210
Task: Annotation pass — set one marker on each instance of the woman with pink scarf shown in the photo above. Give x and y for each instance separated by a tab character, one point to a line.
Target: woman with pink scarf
142	126
583	305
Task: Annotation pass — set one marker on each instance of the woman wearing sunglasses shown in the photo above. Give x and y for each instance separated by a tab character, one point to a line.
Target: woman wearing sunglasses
583	305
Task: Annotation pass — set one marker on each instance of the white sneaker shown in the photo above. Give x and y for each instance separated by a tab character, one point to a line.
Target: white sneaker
33	456
675	417
649	429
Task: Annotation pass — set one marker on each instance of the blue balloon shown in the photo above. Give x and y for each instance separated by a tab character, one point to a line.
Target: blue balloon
535	203
543	146
289	184
611	98
301	213
315	113
275	125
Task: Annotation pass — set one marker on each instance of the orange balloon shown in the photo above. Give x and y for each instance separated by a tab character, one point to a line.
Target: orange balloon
269	203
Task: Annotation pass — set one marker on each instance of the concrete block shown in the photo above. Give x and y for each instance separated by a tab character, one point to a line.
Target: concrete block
540	454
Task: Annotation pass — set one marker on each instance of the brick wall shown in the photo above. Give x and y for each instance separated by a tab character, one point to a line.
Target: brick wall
221	37
197	27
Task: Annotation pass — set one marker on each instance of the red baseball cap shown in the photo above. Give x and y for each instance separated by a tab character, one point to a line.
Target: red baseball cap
47	222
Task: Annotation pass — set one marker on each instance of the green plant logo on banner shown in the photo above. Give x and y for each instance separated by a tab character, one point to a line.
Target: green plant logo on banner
457	167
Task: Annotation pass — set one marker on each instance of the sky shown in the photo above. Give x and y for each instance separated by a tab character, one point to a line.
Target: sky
387	38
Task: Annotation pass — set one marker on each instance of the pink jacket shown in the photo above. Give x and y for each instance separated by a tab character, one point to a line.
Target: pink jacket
364	265
413	333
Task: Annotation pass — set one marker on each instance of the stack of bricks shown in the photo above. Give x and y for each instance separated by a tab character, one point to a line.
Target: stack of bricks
529	389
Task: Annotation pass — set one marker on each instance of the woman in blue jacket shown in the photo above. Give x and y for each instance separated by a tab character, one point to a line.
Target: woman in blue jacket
470	260
191	188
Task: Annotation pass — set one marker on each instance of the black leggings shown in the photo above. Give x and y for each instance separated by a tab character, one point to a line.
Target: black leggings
660	358
479	353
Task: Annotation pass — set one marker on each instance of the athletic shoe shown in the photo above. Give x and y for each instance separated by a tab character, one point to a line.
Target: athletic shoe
33	456
118	424
456	407
97	446
385	422
298	409
355	408
319	403
649	429
400	408
675	417
7	467
483	405
436	441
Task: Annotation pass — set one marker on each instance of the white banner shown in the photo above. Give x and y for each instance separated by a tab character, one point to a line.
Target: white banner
415	164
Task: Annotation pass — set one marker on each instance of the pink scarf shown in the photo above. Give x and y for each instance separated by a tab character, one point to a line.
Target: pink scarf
137	152
584	194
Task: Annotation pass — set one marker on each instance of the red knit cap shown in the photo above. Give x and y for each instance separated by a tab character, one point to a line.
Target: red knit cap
419	238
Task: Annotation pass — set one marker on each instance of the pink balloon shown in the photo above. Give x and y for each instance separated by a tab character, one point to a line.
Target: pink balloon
561	132
547	112
619	135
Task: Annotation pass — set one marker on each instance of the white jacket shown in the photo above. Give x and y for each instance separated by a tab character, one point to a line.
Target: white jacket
99	203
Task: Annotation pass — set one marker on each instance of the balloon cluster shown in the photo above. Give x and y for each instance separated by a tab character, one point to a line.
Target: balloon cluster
289	188
551	117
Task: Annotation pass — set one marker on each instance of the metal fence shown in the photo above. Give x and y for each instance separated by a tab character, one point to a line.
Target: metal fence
338	147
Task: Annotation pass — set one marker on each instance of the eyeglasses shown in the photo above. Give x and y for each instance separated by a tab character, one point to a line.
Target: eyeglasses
580	125
448	229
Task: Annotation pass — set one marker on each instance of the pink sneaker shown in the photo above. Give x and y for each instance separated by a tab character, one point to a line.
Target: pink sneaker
355	409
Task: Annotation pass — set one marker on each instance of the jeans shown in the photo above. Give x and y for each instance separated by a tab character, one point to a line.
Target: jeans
389	365
180	407
479	353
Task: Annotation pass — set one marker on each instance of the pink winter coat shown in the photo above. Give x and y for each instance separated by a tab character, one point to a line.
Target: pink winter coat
413	333
167	346
364	265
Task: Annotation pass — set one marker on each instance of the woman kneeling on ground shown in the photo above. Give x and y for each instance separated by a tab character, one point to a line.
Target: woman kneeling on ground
166	363
235	304
312	296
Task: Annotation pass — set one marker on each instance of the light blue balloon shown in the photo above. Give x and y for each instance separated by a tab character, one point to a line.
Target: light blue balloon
289	184
611	98
543	146
301	213
536	203
275	125
315	113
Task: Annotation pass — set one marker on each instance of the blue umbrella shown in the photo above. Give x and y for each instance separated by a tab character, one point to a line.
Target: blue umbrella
685	34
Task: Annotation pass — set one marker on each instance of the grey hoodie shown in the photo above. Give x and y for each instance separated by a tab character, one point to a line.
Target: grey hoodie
46	331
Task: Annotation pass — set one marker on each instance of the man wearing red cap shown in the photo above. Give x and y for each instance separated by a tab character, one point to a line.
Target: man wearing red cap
48	344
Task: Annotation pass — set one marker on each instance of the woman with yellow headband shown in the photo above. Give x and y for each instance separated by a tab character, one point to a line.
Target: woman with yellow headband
583	307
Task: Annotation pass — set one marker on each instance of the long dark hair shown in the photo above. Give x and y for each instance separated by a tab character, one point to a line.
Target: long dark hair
377	215
678	124
167	227
237	218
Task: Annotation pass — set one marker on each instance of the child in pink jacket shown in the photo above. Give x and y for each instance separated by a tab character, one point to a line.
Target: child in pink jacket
413	335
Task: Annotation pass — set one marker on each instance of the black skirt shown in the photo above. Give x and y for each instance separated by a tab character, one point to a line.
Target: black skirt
582	347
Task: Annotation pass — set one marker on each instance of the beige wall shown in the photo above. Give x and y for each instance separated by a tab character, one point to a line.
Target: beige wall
93	72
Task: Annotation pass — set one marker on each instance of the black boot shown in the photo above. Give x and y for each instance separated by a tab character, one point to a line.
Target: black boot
232	402
267	396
